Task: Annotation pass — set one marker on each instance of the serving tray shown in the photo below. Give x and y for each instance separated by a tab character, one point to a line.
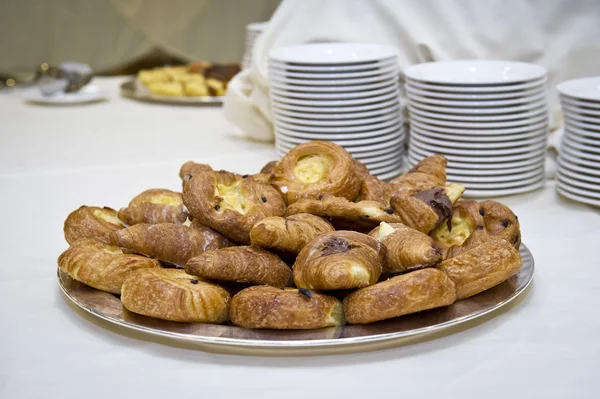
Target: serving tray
129	89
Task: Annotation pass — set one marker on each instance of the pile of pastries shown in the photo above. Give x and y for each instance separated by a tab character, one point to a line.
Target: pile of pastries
311	241
197	79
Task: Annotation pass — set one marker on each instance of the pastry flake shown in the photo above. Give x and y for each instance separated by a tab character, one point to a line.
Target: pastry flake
91	222
155	206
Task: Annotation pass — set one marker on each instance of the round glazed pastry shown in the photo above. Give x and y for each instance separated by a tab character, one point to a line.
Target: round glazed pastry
100	265
190	168
230	203
154	206
172	294
91	222
247	264
427	174
339	260
285	309
314	169
408	293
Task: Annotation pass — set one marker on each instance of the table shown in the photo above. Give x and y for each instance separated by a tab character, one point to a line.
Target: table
52	160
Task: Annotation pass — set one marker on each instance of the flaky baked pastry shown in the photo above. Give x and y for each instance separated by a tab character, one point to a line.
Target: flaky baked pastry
406	248
155	206
372	189
190	168
288	235
246	264
91	222
408	293
314	169
285	309
172	294
268	168
100	265
168	242
427	174
339	260
501	222
230	203
482	267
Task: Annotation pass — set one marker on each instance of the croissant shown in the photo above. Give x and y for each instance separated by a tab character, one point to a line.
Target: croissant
316	168
190	168
372	189
172	294
172	243
406	248
230	203
339	260
408	293
100	265
246	264
91	222
427	174
482	267
290	234
285	309
155	206
268	168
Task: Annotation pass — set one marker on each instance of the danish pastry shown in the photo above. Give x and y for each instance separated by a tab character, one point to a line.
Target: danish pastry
501	222
408	293
288	235
91	222
427	174
246	264
190	168
100	265
285	309
155	206
172	294
230	203
314	169
268	168
339	260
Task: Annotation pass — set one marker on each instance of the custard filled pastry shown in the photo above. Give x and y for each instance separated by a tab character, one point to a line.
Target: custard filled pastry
100	265
172	294
247	264
407	248
339	260
285	309
427	174
288	235
408	293
230	203
91	222
155	206
314	169
190	168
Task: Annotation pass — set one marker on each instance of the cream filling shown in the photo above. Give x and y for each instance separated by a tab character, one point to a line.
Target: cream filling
107	217
311	168
232	197
459	234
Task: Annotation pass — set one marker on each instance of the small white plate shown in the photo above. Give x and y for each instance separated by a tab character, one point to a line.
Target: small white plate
474	96
385	176
388	163
279	124
364	152
573	143
333	53
582	132
567	162
576	197
334	109
480	111
392	87
343	142
581	118
480	132
582	139
498	185
88	94
333	88
565	169
578	110
349	118
578	187
340	135
488	140
581	89
496	179
477	89
536	161
337	122
281	74
575	160
395	153
476	104
495	172
521	116
584	125
576	182
585	104
295	67
480	125
478	152
335	103
472	193
390	76
487	162
473	145
574	152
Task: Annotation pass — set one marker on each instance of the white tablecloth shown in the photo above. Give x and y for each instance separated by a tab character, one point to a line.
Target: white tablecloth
54	159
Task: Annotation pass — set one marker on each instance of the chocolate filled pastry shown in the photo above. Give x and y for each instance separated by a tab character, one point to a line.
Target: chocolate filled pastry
155	206
316	168
230	203
172	294
427	174
408	293
288	235
339	260
100	265
190	168
482	267
268	168
285	309
407	248
91	222
168	242
247	264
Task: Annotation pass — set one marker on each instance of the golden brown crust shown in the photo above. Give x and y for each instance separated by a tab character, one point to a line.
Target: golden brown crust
190	168
172	294
339	260
288	234
429	173
155	206
408	293
316	168
285	309
500	222
482	267
91	222
247	264
268	168
100	265
231	204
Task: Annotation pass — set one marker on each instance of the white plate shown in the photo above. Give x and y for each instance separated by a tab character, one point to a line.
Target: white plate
578	110
577	187
476	89
480	153
343	135
350	117
500	167
583	88
474	96
480	138
279	124
576	197
476	104
281	75
582	156
496	179
343	142
480	111
471	193
388	163
332	88
581	132
573	143
575	160
360	153
472	145
388	175
88	94
480	132
521	116
581	118
279	116
332	67
394	153
565	169
584	125
498	185
335	103
568	162
592	105
582	139
309	83
332	96
576	182
496	172
341	109
332	53
479	125
490	162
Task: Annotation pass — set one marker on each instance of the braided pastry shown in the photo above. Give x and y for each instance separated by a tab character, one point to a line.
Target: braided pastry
427	174
91	222
154	206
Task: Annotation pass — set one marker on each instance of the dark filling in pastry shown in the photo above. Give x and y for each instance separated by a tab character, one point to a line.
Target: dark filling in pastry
335	246
437	199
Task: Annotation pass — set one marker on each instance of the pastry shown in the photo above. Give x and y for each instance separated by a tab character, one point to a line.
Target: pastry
91	222
501	222
407	248
154	206
247	264
408	293
268	168
427	174
100	265
316	168
285	309
372	189
172	294
288	235
339	260
482	267
190	168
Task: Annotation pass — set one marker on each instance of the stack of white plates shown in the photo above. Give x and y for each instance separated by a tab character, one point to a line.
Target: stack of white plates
340	92
579	155
253	31
489	118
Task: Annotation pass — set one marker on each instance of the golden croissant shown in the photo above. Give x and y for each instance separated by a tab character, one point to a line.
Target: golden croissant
155	206
91	222
427	174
